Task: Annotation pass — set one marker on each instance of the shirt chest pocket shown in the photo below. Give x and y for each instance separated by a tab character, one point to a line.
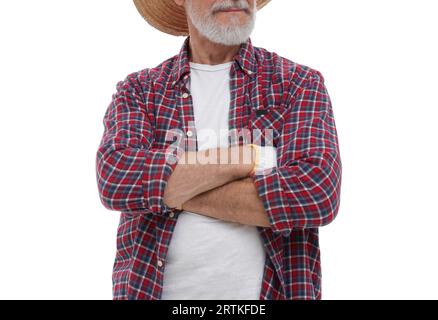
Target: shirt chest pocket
267	123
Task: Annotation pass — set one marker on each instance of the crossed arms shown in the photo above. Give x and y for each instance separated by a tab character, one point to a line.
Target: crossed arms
221	189
302	192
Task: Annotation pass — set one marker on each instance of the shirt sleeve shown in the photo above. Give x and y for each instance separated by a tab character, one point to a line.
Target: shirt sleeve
132	174
304	190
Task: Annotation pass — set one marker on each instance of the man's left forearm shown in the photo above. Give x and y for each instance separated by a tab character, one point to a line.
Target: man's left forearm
236	201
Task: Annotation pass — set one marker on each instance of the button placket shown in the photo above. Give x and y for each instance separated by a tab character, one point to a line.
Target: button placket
185	110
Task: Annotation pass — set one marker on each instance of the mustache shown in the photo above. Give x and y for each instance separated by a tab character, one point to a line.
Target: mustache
225	5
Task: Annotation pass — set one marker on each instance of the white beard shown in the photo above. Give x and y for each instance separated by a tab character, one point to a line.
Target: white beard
231	34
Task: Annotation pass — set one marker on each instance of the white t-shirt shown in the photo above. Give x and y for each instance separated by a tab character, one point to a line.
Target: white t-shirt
210	258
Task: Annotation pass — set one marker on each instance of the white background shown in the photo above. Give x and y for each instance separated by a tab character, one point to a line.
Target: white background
60	62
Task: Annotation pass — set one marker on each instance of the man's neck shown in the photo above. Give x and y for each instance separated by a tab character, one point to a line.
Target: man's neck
204	51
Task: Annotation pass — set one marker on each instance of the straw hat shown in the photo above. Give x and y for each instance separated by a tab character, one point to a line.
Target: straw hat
168	17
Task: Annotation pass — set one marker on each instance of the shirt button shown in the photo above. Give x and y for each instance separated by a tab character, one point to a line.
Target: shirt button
185	95
171	214
189	133
186	76
249	72
160	263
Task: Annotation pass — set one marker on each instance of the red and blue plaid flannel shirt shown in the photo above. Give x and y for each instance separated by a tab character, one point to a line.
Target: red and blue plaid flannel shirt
299	196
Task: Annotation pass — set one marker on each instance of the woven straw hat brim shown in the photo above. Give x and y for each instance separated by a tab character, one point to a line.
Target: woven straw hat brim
168	17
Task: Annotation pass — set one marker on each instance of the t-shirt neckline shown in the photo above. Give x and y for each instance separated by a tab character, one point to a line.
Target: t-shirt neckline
211	67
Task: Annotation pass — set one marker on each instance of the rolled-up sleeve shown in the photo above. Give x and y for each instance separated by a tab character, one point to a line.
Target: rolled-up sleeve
131	174
303	191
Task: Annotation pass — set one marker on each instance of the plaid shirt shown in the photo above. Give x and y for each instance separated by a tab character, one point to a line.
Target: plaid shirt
300	195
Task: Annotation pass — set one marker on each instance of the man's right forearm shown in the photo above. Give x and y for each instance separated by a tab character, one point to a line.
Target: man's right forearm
201	171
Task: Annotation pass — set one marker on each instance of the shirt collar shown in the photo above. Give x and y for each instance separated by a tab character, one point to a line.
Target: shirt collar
245	58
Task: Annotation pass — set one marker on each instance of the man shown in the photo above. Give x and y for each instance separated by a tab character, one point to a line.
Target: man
244	224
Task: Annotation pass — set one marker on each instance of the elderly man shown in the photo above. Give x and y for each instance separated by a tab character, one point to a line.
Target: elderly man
234	212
